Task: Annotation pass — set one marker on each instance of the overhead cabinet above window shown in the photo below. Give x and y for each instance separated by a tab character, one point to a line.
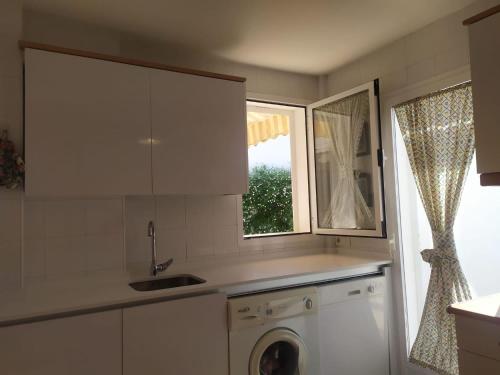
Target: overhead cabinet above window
345	158
102	127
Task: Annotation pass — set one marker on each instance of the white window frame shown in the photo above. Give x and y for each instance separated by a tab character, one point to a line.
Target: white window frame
299	164
375	144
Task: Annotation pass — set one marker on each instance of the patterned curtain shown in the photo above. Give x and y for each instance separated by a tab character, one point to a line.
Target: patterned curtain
438	133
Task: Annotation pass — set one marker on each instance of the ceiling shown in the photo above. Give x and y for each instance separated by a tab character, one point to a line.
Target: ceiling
305	36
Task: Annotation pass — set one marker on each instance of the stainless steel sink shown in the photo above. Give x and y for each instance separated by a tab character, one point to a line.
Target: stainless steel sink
166	283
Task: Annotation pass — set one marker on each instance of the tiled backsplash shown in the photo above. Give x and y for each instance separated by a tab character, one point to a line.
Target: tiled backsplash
47	239
63	237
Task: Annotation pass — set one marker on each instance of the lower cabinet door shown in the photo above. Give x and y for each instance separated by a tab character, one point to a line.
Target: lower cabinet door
475	364
79	345
180	337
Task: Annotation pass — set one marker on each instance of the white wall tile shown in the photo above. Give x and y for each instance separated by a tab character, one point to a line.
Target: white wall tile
10	265
138	249
138	212
34	258
11	106
200	241
104	252
171	243
225	239
452	58
10	220
65	218
420	71
171	211
394	80
104	216
199	210
66	256
34	219
225	213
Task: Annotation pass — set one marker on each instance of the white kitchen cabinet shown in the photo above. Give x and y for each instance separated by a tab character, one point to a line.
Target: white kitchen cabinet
186	336
80	345
478	335
484	37
353	330
199	134
87	126
103	125
478	343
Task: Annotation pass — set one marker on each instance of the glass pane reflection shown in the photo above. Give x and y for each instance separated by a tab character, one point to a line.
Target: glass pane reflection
343	161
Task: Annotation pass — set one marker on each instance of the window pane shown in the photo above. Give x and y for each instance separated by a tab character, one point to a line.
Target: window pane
267	208
477	236
343	161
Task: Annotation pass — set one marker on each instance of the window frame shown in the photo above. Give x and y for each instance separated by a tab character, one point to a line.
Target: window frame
405	284
298	235
377	164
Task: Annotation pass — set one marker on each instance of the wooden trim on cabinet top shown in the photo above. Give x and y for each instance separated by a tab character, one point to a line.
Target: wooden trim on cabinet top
125	60
482	15
472	314
490	179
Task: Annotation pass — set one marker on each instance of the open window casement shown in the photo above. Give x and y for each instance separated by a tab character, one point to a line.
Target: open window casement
345	159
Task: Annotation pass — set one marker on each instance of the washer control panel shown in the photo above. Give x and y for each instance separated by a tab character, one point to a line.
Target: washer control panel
259	309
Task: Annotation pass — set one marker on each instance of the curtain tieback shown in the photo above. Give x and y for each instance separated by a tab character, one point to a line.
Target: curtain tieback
437	256
444	248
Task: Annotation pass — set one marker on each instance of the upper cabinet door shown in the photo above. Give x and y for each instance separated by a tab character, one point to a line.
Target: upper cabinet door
345	164
87	126
199	134
485	73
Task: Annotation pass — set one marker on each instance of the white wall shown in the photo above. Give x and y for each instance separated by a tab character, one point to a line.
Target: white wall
10	118
55	239
74	34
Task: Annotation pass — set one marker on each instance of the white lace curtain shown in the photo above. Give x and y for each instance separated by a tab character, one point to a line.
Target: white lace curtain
338	129
438	134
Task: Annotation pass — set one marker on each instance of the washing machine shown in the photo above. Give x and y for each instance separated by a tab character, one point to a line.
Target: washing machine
274	333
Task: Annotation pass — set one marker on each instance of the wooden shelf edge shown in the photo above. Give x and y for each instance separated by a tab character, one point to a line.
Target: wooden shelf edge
474	315
490	179
124	60
482	15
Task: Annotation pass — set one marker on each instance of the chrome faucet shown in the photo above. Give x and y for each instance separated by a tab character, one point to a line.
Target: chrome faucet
156	268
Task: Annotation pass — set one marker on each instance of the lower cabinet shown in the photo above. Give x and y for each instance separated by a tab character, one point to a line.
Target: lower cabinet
353	330
79	345
479	346
183	337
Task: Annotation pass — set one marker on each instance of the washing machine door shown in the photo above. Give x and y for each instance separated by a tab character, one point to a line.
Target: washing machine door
279	352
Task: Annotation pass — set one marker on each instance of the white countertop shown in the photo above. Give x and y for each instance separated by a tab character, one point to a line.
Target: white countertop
56	298
484	308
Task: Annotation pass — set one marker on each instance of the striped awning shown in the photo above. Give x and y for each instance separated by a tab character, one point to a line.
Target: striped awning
264	126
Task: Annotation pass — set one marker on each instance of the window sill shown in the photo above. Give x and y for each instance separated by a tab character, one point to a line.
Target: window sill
271	235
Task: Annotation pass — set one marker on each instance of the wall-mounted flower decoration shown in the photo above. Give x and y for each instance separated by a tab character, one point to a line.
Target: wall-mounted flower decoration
11	163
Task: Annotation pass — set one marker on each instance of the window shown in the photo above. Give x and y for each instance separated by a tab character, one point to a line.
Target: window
278	197
476	235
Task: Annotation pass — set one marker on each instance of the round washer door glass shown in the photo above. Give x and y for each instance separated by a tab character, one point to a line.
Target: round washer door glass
279	352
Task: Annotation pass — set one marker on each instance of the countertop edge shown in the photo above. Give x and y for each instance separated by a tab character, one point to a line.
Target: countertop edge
473	315
371	266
